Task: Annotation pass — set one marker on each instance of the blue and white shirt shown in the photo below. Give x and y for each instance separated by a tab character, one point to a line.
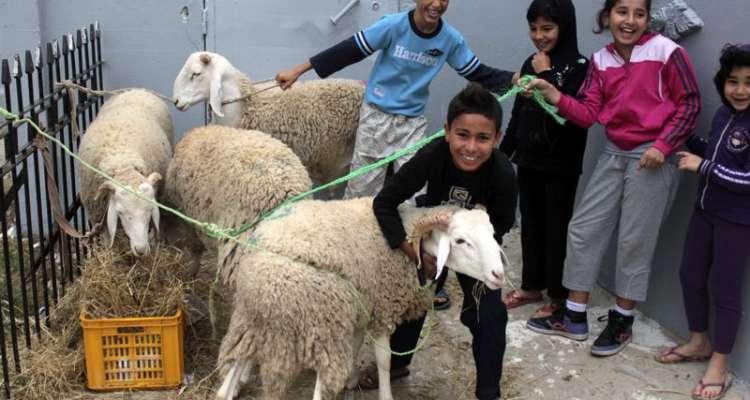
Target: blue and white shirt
409	60
407	63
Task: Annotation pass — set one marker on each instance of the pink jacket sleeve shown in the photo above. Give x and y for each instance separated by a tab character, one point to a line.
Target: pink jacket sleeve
584	110
682	87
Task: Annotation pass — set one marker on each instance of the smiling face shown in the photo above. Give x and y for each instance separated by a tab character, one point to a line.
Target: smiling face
737	88
427	13
544	34
471	139
628	21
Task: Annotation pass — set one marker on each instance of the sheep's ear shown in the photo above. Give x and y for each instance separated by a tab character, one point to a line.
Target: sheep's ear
154	178
111	221
215	93
444	247
105	188
155	218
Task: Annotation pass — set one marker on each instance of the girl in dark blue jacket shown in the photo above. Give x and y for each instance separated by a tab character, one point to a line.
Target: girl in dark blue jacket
719	230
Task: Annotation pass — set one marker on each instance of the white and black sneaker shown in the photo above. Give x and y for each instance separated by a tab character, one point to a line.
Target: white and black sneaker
615	336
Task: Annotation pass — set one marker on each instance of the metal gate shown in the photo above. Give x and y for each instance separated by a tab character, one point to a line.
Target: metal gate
39	259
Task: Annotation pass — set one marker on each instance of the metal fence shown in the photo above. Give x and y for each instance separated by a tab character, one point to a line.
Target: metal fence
39	259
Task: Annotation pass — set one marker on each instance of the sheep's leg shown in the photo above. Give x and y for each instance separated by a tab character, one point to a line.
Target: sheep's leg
383	359
231	385
318	394
351	382
245	373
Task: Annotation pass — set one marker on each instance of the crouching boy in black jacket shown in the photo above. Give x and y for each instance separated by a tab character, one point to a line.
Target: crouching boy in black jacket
463	170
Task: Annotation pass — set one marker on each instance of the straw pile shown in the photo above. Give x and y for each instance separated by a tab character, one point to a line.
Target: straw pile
113	283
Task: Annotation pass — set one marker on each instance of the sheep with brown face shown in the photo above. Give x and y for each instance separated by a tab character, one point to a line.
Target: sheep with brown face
130	140
318	119
320	274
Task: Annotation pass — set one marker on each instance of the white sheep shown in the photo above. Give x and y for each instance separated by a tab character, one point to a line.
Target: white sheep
322	274
130	141
318	119
228	177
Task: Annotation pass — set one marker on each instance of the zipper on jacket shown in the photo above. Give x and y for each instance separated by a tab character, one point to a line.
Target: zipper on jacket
713	158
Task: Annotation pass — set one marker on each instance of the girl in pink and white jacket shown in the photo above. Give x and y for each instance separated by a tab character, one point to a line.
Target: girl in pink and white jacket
642	89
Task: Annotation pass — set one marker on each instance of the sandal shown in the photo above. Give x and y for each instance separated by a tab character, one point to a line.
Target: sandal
514	299
368	377
673	357
441	301
724	387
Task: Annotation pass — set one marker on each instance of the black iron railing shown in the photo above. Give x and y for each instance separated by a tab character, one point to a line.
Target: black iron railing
39	259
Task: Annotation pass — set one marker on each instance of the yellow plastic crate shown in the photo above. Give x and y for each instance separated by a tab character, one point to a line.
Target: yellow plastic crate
133	353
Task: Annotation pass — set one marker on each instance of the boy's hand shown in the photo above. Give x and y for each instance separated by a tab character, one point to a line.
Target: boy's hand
541	62
428	260
652	158
689	161
287	77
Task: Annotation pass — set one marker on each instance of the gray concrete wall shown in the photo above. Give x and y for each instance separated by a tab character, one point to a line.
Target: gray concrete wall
146	42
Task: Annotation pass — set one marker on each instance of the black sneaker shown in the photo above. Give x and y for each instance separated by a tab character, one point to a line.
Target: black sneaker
563	322
615	336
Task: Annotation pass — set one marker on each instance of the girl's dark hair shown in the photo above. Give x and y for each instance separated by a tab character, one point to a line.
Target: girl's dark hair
544	8
731	56
602	15
474	99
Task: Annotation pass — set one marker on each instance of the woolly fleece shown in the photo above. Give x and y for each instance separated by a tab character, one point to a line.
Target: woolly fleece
318	119
315	276
127	135
230	176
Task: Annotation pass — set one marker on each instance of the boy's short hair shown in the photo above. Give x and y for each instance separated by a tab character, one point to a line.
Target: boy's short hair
731	56
474	99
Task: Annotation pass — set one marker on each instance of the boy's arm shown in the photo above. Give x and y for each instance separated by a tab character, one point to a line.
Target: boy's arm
337	57
343	54
503	199
411	177
679	77
493	79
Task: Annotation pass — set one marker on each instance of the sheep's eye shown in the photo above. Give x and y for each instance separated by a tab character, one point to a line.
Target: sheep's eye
194	75
460	241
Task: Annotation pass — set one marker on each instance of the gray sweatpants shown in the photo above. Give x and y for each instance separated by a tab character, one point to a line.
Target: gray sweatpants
619	195
379	134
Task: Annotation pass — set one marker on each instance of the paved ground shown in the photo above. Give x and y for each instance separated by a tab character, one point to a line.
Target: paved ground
536	366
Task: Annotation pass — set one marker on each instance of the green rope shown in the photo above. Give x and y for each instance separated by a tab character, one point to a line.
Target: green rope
214	231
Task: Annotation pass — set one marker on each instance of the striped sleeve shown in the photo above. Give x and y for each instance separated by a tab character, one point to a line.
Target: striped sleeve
376	36
679	78
462	59
583	110
735	180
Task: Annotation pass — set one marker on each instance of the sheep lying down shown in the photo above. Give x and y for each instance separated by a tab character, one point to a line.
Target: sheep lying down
322	275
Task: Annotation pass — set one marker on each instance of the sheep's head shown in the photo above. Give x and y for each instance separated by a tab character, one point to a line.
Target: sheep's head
134	213
200	79
463	240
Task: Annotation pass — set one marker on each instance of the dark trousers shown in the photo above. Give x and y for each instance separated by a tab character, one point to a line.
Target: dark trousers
546	203
487	327
720	248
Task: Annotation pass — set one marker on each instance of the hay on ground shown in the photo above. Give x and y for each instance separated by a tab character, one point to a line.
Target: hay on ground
113	284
